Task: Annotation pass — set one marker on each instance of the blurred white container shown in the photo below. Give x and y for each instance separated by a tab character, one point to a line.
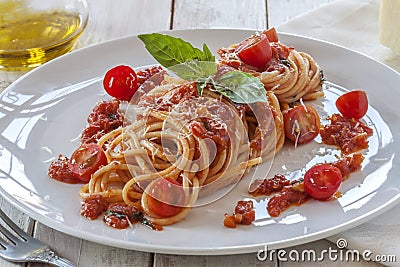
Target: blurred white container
389	19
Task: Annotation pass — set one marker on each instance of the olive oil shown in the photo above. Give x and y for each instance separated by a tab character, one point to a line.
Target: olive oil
30	38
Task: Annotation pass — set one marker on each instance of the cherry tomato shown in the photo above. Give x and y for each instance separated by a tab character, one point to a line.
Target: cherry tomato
86	160
166	197
302	124
271	34
255	50
353	104
322	181
121	82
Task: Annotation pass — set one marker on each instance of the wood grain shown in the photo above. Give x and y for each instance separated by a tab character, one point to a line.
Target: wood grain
280	11
229	260
220	14
118	18
93	254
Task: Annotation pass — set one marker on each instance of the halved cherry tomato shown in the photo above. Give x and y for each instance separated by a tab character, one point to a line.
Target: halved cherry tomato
255	50
121	82
271	34
353	104
86	160
166	197
322	181
302	124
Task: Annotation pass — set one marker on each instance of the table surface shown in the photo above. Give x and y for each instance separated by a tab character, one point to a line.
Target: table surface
118	18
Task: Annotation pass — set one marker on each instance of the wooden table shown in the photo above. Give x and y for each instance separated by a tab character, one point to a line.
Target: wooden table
117	18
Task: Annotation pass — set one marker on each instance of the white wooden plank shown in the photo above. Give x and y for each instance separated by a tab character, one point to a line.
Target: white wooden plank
8	77
117	18
93	254
226	260
220	14
280	11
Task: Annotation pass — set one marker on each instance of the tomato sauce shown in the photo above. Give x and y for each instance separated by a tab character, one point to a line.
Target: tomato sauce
287	197
349	164
294	194
120	216
203	127
116	215
350	135
104	118
59	170
268	186
93	206
279	60
145	74
244	214
171	98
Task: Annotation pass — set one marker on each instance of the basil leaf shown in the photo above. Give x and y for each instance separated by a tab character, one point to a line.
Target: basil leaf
170	51
208	56
241	87
194	70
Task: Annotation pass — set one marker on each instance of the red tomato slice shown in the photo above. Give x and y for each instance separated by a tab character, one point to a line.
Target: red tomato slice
302	124
86	160
322	181
271	34
353	104
255	51
121	82
166	197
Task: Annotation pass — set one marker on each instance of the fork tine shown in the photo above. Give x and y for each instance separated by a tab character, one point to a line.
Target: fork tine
13	226
9	235
3	243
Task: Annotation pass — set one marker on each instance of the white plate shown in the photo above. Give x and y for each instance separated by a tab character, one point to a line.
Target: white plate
42	114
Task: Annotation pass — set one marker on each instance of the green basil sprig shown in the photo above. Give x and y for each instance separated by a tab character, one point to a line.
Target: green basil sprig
170	51
190	63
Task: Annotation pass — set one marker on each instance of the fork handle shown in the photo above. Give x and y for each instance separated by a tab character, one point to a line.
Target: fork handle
49	256
61	262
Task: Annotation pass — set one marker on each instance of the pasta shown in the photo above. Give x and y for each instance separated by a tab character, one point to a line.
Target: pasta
300	79
291	75
164	142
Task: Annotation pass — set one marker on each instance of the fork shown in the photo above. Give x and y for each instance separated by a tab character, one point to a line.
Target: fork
21	247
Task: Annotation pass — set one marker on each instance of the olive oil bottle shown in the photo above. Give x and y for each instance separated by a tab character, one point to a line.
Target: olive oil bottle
29	38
